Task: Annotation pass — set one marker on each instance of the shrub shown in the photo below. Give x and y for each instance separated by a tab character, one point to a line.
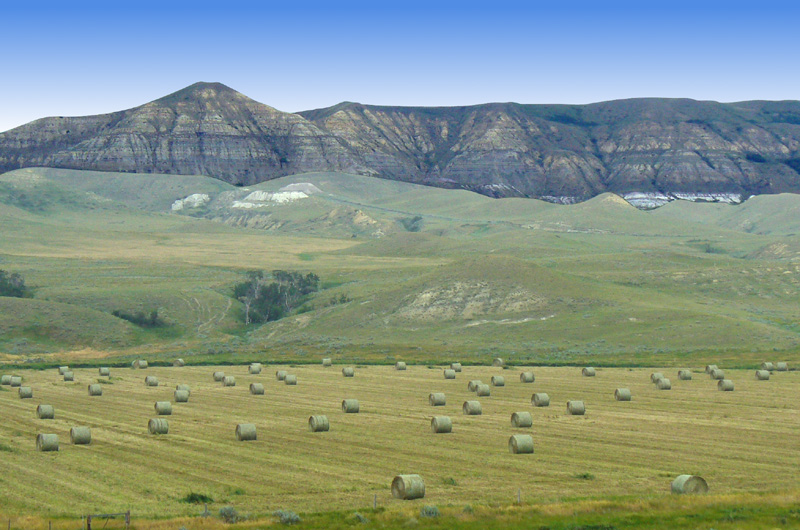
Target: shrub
412	224
360	518
13	284
429	511
141	319
197	498
286	517
229	514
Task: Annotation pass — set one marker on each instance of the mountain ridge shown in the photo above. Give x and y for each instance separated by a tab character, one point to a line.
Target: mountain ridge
659	147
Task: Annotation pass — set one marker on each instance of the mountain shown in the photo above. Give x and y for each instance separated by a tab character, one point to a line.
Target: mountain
206	128
648	150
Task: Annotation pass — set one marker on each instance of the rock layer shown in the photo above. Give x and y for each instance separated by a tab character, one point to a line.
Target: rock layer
562	153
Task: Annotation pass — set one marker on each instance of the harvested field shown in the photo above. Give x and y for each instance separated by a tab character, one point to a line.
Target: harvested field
633	448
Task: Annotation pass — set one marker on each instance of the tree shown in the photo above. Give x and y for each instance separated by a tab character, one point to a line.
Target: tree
266	300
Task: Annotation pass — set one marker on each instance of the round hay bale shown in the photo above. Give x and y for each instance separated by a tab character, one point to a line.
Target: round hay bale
47	442
280	375
151	380
181	396
717	374
540	399
589	372
254	368
257	389
483	390
319	424
178	363
5	380
219	376
622	394
163	408
782	366
726	385
655	376
767	366
498	380
228	380
350	406
348	371
527	377
576	408
521	420
441	424
472	386
68	376
498	362
104	371
710	367
400	365
246	432
520	444
134	365
437	399
183	387
25	392
455	366
142	364
158	426
16	381
80	435
45	412
327	362
290	379
450	374
95	390
472	408
63	369
685	375
408	487
762	375
664	384
689	484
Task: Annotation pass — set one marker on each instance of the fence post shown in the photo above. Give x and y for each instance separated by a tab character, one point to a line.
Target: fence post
519	496
375	502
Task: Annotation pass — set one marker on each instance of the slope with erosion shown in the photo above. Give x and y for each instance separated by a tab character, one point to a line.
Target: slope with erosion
561	153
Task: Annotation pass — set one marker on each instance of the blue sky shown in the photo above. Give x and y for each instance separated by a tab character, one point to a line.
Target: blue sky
79	58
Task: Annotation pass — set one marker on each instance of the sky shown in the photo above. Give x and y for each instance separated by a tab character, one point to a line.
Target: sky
84	57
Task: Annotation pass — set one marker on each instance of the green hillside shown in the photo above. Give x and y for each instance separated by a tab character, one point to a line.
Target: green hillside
405	270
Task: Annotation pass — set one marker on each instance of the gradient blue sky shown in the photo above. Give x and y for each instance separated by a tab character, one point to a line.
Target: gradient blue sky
78	58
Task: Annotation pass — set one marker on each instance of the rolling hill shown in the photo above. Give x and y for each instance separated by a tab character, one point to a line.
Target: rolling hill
406	271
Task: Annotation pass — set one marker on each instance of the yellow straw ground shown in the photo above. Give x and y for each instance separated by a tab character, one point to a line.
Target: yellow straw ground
741	441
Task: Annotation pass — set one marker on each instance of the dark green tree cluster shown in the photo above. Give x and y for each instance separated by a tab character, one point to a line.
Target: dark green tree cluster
268	298
13	284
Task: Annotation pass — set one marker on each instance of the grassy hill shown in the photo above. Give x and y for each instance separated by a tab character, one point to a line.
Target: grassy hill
406	270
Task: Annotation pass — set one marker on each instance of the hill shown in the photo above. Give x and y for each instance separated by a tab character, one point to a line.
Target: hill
406	270
651	150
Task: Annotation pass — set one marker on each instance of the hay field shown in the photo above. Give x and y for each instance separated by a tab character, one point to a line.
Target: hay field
741	441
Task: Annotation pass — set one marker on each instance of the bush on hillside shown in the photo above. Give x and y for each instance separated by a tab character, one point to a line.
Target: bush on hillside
13	284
